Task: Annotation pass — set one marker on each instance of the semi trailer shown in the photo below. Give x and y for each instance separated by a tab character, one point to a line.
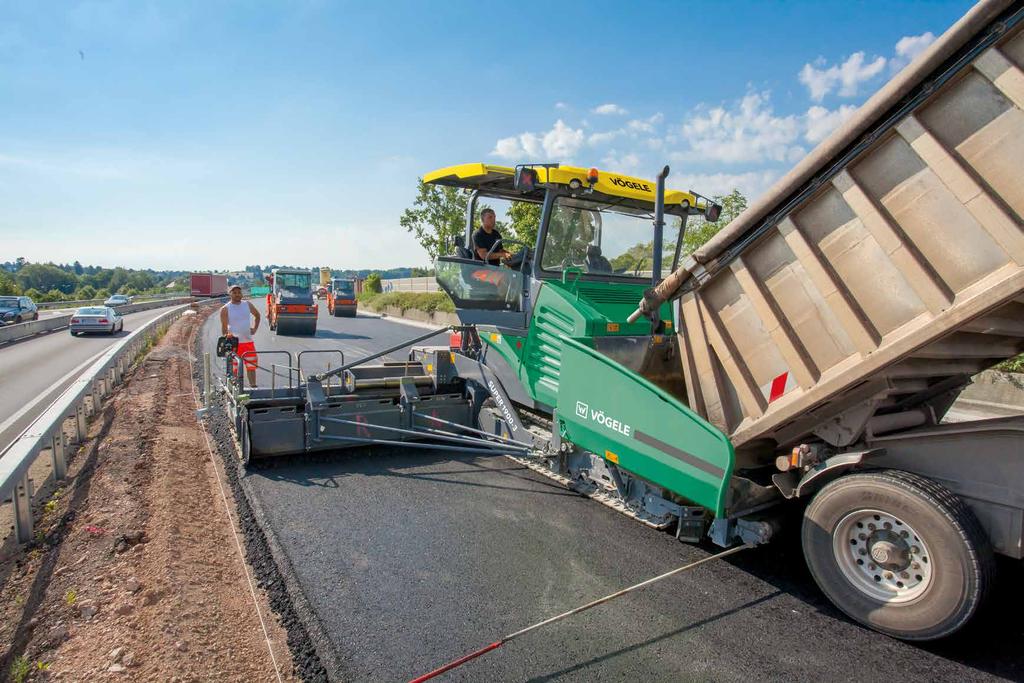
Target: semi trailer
803	358
208	284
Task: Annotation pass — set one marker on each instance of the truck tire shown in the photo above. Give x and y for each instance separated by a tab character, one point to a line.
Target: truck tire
898	553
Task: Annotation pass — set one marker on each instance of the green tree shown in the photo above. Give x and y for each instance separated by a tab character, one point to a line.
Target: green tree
78	268
8	286
140	280
44	277
85	292
372	284
436	217
53	295
33	294
118	279
700	231
524	220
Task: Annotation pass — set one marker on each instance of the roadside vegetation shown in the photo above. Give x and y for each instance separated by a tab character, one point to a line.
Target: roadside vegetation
428	302
44	282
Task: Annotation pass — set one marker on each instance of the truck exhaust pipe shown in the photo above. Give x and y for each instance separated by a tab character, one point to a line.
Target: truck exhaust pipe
659	226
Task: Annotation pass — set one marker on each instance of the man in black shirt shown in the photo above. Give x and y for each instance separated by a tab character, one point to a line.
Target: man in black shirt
485	237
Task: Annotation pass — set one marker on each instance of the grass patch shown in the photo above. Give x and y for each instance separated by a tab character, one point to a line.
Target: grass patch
428	302
20	669
1012	365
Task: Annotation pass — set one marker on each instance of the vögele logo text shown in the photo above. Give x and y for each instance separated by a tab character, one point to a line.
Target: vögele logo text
643	187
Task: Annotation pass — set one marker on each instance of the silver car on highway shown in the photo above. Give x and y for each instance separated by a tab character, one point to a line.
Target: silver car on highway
95	319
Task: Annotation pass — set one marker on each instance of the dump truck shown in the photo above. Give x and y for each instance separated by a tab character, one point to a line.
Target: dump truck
341	300
325	283
291	308
208	284
803	360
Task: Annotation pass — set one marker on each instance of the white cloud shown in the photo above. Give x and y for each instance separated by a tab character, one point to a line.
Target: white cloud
597	139
909	47
752	183
559	144
847	77
561	105
748	132
610	108
562	142
507	148
645	125
821	121
624	163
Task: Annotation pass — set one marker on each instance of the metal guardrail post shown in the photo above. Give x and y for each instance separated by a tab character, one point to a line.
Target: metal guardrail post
60	464
81	426
22	498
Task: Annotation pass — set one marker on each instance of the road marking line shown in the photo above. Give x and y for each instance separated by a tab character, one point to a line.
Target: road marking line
46	392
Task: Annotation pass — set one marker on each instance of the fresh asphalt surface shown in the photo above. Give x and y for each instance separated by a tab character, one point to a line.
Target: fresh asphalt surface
411	559
34	371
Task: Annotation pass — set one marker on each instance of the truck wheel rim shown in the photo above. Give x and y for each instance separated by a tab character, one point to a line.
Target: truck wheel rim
882	556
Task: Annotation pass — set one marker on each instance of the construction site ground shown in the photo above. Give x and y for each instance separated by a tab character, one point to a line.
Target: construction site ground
135	572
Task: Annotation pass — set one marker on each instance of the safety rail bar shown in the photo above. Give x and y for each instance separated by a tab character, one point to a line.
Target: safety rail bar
80	401
136	299
237	373
298	360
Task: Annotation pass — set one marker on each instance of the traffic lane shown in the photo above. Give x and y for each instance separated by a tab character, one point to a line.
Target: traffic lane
411	559
355	337
30	368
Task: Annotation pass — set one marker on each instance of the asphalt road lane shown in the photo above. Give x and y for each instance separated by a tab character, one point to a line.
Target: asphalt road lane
30	368
411	559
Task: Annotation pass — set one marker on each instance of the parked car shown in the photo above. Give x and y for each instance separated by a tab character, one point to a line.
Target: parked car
95	319
117	300
17	309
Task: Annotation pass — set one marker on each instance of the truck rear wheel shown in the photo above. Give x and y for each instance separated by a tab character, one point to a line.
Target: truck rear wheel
898	552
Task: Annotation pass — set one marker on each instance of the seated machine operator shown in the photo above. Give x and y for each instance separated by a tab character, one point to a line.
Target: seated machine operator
485	237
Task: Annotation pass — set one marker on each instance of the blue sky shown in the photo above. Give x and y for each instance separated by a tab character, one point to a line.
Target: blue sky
214	135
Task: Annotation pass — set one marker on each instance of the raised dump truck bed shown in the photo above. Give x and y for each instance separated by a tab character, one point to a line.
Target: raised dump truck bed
888	268
828	329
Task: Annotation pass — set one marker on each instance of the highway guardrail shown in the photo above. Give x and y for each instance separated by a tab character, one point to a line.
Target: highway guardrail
81	400
34	327
49	305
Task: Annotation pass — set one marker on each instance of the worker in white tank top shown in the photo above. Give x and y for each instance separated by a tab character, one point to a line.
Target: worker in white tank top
240	319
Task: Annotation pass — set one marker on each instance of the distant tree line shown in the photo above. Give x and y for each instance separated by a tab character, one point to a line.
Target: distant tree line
67	282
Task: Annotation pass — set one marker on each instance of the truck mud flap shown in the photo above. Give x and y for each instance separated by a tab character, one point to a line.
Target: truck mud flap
613	412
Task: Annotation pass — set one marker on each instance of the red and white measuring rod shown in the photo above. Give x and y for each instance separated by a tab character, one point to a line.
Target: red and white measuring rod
600	601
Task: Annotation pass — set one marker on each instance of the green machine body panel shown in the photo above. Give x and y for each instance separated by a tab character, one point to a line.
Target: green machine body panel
611	411
581	310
